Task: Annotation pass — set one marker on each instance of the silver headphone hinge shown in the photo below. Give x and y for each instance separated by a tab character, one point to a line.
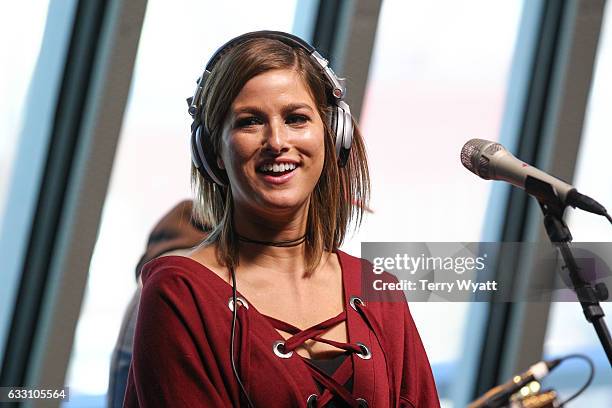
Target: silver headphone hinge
196	100
339	89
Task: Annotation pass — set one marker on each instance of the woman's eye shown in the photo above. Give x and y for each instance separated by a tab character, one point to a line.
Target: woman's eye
248	121
297	119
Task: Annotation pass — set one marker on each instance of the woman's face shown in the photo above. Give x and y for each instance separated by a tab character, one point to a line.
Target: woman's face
272	143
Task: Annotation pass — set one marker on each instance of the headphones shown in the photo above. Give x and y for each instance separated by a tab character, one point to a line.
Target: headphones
340	120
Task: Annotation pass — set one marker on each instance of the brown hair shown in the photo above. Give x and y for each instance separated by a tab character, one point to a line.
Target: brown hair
341	194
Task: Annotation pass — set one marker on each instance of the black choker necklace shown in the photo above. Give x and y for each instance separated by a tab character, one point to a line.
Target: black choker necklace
289	243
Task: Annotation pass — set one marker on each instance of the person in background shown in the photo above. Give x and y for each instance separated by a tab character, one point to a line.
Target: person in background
174	233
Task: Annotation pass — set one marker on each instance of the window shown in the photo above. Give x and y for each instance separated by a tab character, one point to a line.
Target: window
32	54
15	77
151	169
438	78
568	331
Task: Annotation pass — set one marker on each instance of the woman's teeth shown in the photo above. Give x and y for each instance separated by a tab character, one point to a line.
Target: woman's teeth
277	168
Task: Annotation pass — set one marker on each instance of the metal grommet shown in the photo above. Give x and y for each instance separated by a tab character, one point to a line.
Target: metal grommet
365	351
362	403
356	299
276	348
311	402
230	302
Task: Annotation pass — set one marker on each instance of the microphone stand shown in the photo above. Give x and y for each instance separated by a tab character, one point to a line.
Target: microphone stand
560	236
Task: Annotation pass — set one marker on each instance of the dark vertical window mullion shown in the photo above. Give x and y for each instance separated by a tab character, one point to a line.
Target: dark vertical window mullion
514	228
326	27
64	139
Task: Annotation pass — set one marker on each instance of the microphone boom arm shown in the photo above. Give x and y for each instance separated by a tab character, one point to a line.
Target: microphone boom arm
560	235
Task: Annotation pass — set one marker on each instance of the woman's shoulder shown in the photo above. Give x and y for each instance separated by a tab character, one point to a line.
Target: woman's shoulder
178	272
165	266
189	262
184	285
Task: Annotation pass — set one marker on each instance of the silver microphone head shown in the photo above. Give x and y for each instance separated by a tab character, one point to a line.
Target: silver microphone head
474	156
491	161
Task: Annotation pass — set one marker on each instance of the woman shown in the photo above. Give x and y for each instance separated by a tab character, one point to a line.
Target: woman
280	173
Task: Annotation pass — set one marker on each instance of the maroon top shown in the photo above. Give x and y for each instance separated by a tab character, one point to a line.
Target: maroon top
181	347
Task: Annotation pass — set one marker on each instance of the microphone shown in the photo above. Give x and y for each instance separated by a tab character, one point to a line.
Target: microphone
498	396
491	161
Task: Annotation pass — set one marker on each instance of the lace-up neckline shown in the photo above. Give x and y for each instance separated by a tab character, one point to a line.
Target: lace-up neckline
334	384
284	349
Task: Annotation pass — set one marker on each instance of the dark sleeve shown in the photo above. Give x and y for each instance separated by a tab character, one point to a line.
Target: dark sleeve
173	364
418	388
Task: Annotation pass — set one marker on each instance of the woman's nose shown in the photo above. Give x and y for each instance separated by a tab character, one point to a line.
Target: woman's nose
276	137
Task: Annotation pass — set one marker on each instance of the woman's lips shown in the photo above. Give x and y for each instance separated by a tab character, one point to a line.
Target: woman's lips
280	179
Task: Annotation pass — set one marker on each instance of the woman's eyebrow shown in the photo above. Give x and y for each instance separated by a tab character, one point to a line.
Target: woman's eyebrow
295	106
254	110
249	109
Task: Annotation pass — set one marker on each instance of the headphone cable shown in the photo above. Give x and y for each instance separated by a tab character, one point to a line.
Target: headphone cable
234	316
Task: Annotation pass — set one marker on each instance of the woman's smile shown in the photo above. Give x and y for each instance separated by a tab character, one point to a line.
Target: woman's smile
279	171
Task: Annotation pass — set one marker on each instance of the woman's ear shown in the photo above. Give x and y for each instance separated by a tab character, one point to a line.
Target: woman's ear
220	163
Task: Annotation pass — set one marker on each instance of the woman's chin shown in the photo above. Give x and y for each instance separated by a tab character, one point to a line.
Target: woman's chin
286	202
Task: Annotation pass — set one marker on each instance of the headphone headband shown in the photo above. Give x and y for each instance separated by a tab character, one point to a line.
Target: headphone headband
289	39
338	91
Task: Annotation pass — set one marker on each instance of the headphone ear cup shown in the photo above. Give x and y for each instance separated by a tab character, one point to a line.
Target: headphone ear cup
343	129
347	138
203	158
195	157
